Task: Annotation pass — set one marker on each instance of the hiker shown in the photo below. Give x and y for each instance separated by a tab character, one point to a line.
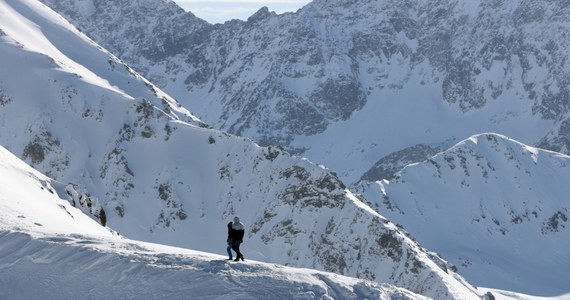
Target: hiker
236	234
229	241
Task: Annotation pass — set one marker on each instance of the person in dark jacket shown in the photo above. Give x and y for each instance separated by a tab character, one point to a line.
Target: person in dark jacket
229	242
236	233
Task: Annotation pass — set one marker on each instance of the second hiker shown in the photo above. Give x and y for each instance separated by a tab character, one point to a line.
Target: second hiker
236	236
229	241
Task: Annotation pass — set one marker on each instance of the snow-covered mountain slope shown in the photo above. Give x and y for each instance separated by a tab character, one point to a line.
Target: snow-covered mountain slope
497	209
29	203
385	77
118	145
78	267
51	250
80	59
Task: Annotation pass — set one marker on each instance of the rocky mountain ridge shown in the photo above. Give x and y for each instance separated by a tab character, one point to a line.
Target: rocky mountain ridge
416	74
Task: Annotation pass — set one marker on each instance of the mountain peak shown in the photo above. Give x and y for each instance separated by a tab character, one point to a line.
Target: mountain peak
262	14
363	64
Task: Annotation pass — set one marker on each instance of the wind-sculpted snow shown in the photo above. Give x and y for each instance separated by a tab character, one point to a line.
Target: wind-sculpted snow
380	75
497	209
115	143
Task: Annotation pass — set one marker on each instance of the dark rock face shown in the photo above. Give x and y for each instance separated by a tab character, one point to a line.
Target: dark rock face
558	139
387	167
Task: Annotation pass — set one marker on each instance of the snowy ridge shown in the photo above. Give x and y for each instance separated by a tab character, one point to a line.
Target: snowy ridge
71	267
50	250
161	179
82	59
497	209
